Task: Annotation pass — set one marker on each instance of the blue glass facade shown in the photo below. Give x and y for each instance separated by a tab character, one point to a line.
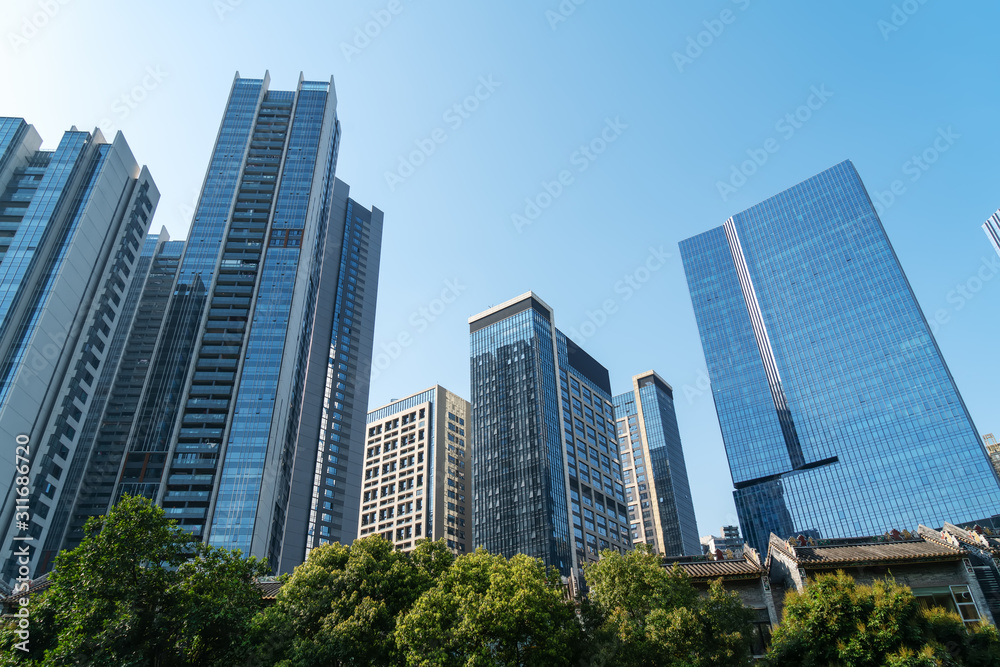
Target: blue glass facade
838	412
73	222
661	512
545	468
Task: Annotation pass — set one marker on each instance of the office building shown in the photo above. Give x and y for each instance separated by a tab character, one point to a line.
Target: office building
660	509
259	373
728	539
73	223
416	481
837	410
92	478
545	466
992	229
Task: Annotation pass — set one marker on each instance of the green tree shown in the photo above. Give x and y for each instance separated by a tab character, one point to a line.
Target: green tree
645	614
487	610
836	621
138	591
340	606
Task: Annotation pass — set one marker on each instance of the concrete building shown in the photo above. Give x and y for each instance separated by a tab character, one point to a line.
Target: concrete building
73	224
661	512
728	540
417	482
548	481
91	481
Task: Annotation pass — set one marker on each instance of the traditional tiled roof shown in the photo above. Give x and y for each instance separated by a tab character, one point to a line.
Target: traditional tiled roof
705	567
969	537
36	586
727	569
269	587
867	551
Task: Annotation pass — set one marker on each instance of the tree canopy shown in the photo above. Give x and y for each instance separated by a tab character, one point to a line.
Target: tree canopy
836	621
488	610
139	591
646	614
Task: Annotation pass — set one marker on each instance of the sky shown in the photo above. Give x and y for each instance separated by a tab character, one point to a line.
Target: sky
566	148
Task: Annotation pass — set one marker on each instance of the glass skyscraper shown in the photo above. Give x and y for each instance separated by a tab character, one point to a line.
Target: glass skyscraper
545	471
261	372
660	510
839	415
73	224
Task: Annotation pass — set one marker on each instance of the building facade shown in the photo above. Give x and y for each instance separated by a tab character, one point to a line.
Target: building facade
838	412
417	482
728	539
92	477
545	467
73	224
661	512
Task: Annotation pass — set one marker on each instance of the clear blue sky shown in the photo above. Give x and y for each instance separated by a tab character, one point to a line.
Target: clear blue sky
679	123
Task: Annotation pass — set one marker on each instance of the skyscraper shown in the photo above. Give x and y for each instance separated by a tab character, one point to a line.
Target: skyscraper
417	483
247	362
839	415
545	466
91	479
992	229
72	227
660	510
272	313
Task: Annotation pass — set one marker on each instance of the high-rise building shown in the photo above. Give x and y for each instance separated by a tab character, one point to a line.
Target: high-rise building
728	539
416	481
545	468
992	229
73	223
92	477
660	510
838	412
259	371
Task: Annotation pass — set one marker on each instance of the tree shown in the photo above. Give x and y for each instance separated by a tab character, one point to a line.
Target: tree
340	606
487	610
645	614
836	621
139	591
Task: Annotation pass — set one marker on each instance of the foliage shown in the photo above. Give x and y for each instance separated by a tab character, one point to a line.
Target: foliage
139	591
488	610
340	606
648	615
836	621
